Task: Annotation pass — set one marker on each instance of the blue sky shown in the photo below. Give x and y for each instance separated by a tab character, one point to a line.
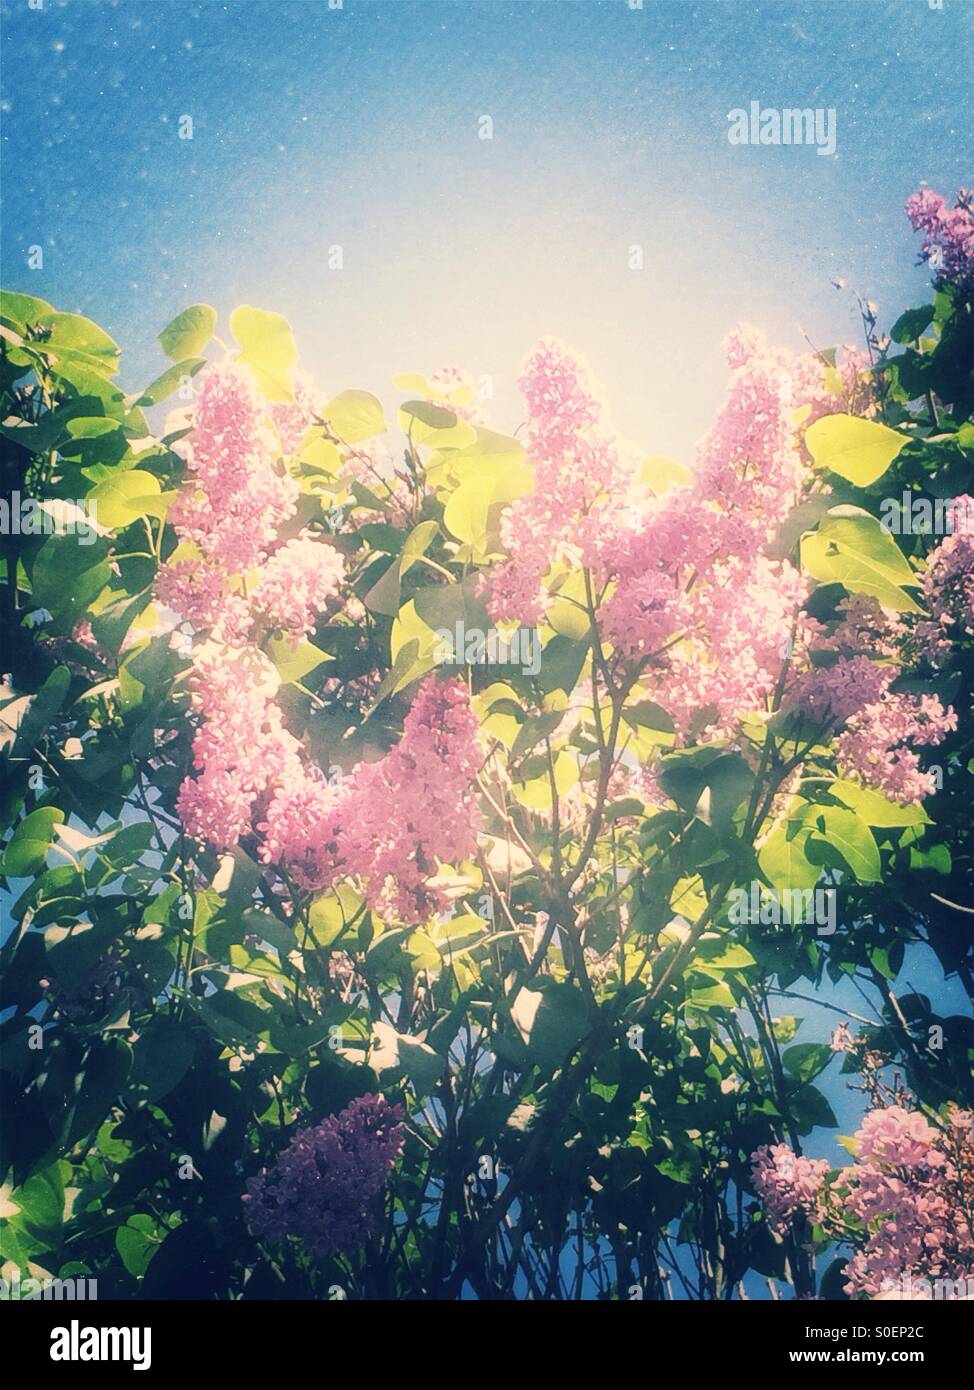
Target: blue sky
358	127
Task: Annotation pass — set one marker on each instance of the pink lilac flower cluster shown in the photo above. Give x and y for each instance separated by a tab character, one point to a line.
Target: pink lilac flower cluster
896	1135
241	747
695	598
948	589
948	234
302	829
199	592
839	691
231	511
837	669
880	729
748	466
296	584
581	472
866	626
823	389
236	500
690	596
905	1204
738	640
416	805
911	1186
323	1188
293	419
787	1184
389	822
877	745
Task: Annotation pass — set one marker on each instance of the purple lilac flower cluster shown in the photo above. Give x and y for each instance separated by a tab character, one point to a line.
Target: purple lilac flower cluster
322	1187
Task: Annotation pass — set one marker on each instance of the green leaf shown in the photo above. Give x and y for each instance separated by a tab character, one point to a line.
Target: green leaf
333	1082
414	644
806	1060
535	791
712	997
534	729
96	1087
293	659
466	514
385	595
879	958
68	575
170	380
445	605
937	858
267	348
496	454
333	913
113	622
732	957
97	443
876	809
783	860
137	1241
232	1019
354	416
684	1169
38	711
46	434
561	664
435	426
126	846
729	782
911	324
416	544
858	450
709	783
75	339
321	455
852	548
21	310
41	1203
551	1022
409	1055
845	832
189	332
811	1110
27	848
163	1055
412	381
413	658
473	510
803	517
412	647
124	497
652	721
